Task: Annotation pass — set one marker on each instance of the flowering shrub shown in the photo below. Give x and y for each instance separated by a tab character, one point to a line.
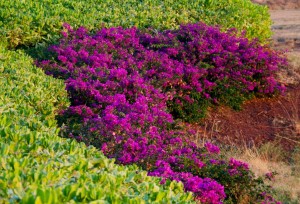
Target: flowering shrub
37	166
216	68
122	84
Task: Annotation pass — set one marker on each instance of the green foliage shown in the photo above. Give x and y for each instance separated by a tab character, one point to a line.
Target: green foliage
31	22
190	112
193	112
37	166
240	188
231	96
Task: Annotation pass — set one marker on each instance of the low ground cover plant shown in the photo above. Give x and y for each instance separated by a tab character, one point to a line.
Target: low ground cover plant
37	166
123	84
31	22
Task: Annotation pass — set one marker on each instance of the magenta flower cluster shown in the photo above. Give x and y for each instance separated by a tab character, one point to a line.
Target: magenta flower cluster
268	199
211	57
218	68
270	176
122	82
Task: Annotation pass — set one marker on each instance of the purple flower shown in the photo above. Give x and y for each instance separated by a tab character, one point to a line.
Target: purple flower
212	148
270	176
63	59
235	164
124	84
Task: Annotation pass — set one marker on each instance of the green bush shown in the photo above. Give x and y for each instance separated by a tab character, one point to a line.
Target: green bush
30	22
37	166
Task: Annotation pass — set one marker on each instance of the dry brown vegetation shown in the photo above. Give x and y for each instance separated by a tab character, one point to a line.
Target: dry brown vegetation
270	158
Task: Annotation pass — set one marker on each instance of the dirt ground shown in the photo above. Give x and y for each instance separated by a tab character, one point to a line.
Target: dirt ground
268	119
279	4
286	23
286	28
260	121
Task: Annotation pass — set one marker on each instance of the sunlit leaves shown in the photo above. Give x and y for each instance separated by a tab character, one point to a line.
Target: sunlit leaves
37	166
32	22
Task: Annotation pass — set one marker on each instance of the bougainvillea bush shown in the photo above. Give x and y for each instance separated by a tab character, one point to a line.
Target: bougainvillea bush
37	166
124	84
216	68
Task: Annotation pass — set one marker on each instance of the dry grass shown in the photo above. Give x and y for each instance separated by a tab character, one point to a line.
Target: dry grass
292	115
290	75
294	59
272	158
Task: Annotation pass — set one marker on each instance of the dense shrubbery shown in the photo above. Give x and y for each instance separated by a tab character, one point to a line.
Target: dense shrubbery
39	167
30	22
121	83
124	85
214	68
195	66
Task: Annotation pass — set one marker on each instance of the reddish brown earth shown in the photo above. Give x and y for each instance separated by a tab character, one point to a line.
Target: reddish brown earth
267	119
260	121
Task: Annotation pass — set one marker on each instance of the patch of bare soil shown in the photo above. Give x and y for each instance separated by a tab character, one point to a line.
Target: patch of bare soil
286	22
286	28
280	4
260	121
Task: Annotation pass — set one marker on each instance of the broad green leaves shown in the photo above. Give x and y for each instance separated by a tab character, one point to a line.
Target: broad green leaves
37	166
32	22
